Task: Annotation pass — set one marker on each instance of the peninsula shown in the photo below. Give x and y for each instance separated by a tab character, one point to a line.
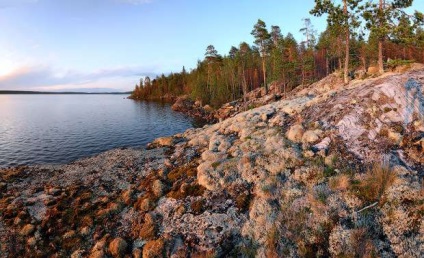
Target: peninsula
331	169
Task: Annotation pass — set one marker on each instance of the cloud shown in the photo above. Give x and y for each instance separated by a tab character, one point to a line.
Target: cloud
11	3
44	77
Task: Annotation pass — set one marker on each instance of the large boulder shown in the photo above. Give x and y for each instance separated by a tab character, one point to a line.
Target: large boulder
311	136
118	247
295	133
183	104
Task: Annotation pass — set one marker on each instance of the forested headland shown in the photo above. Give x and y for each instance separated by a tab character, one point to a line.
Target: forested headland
361	36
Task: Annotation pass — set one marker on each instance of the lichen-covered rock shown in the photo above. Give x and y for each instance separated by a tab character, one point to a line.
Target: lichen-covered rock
150	227
341	242
291	178
27	230
118	247
402	219
311	136
154	249
164	141
158	188
295	133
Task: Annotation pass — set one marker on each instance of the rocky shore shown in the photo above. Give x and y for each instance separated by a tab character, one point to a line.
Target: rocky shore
255	98
331	170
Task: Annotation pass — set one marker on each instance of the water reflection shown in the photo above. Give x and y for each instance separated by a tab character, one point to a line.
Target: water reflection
38	129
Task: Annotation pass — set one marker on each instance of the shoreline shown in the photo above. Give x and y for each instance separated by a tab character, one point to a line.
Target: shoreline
288	167
84	132
183	104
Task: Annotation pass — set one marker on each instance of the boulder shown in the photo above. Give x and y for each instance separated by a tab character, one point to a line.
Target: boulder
149	229
420	143
28	229
208	108
198	103
127	196
295	133
154	248
97	254
118	247
323	145
137	253
164	141
373	70
158	188
311	136
182	104
395	137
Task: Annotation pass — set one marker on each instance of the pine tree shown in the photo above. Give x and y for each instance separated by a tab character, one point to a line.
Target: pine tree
211	53
329	41
210	56
307	51
262	40
382	18
243	56
275	35
291	62
309	32
233	52
344	15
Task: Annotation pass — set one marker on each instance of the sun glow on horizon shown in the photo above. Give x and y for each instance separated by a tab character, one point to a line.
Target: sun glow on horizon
7	67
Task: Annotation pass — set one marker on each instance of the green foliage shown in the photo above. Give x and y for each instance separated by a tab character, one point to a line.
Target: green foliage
262	37
393	63
216	164
384	17
218	79
342	17
329	171
262	40
387	19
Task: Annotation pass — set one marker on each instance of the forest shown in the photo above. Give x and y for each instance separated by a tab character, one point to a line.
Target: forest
360	35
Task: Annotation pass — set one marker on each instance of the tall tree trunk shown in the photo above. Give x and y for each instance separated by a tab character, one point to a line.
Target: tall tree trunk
327	62
364	62
244	84
264	71
207	80
340	51
380	43
380	56
422	49
302	67
346	66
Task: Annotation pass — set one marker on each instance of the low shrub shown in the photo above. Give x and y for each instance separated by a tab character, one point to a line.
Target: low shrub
377	180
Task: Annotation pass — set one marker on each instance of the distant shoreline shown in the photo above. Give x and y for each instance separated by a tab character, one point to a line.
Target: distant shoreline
11	92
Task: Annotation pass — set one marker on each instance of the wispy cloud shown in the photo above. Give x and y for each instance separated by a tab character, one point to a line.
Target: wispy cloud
45	77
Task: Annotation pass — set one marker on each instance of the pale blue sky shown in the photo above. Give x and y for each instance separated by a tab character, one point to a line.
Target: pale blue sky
74	44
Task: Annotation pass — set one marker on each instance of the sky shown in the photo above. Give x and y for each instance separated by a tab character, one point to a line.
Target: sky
108	45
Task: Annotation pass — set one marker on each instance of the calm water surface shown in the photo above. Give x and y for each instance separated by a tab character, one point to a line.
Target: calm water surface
41	129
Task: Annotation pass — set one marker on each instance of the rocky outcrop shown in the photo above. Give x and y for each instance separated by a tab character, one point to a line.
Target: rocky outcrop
331	170
194	109
252	99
